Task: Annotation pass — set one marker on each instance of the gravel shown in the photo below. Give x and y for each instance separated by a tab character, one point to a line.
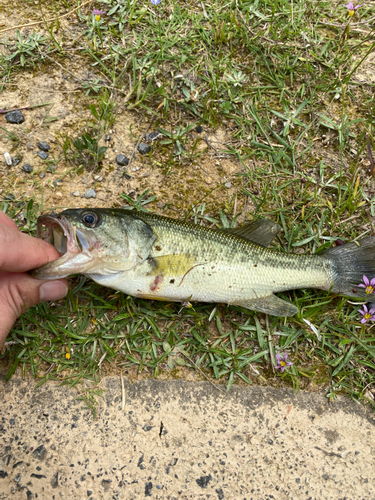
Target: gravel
27	168
8	159
122	160
15	161
42	154
14	117
152	136
144	148
44	146
42	175
90	193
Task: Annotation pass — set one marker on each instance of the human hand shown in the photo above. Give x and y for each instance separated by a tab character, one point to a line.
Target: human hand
19	253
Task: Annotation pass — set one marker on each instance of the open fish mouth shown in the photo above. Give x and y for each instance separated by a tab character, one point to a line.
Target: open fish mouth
58	231
72	244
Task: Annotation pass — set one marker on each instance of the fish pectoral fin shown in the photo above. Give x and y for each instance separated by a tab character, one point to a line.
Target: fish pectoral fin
270	304
260	232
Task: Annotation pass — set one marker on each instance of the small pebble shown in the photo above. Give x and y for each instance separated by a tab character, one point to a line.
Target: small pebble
76	193
14	117
208	180
8	159
127	176
15	161
122	160
51	169
90	193
152	136
144	148
42	175
42	154
44	146
228	185
107	138
28	168
98	177
199	129
58	195
9	197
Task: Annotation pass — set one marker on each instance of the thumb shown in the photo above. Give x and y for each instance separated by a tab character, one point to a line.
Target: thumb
19	291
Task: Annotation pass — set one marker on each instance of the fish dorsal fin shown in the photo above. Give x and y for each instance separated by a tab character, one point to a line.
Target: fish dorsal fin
270	304
261	232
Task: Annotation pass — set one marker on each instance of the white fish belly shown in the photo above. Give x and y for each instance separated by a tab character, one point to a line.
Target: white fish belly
212	282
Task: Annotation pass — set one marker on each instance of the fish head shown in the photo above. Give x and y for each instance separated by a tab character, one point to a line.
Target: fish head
93	241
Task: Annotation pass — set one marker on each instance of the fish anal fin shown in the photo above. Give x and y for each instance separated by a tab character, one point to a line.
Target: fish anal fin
270	304
260	232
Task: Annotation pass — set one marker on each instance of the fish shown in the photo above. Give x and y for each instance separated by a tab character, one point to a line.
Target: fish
150	256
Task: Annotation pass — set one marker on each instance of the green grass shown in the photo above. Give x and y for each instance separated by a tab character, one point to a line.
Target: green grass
281	77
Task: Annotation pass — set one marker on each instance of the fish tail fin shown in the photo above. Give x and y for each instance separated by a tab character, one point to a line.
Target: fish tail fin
349	263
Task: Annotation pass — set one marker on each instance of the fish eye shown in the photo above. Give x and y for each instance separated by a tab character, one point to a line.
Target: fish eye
90	219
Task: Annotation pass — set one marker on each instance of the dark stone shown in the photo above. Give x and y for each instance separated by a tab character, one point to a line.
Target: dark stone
40	452
44	146
127	176
147	427
3	474
29	495
144	148
55	480
107	138
220	494
152	136
9	197
28	168
148	489
42	175
203	481
51	169
15	161
199	129
122	160
106	483
37	476
17	464
53	447
12	421
89	493
140	464
42	154
14	117
17	478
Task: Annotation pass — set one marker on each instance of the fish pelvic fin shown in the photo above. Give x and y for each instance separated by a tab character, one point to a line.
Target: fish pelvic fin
269	304
348	264
260	232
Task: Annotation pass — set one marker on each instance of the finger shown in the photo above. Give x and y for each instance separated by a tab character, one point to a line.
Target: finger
20	252
19	291
7	221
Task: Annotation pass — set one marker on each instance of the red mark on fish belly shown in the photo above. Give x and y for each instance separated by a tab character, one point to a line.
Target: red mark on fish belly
155	283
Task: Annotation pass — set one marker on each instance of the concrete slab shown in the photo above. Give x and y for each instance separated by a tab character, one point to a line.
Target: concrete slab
183	440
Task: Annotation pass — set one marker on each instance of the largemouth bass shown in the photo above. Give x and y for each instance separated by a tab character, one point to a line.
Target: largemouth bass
155	257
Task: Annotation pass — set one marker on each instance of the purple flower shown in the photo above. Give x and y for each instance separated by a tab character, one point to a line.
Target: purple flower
368	315
351	8
369	285
155	2
282	362
97	13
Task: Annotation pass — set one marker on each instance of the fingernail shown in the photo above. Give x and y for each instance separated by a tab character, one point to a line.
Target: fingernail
52	290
